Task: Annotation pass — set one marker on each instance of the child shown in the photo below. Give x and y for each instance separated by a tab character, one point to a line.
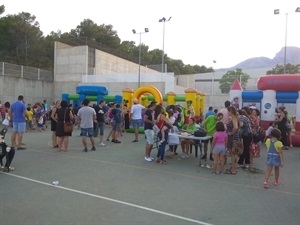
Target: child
268	131
275	156
164	127
29	116
218	147
40	124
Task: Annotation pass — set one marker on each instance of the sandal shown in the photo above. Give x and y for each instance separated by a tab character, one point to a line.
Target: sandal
162	162
228	171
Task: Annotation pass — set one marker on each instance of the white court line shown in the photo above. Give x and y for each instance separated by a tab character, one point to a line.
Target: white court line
111	200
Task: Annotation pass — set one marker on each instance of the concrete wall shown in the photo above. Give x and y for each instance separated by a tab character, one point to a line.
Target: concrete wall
107	64
32	90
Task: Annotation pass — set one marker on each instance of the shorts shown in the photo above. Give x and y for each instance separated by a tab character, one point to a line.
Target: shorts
149	136
136	123
115	126
19	127
273	160
101	126
87	132
219	150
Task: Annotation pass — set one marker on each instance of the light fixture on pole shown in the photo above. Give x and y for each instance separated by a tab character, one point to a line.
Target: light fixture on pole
212	80
276	12
140	52
163	20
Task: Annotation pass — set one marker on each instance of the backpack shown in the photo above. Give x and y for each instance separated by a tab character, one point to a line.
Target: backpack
110	114
200	133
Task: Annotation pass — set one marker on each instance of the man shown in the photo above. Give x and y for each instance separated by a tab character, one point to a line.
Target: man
210	112
17	113
210	127
224	111
86	116
136	117
101	112
148	128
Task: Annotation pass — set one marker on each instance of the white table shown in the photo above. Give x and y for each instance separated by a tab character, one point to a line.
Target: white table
192	137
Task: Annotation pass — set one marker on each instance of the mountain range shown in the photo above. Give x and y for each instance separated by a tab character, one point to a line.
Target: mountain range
292	57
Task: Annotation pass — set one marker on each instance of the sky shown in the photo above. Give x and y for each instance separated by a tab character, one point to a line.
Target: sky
214	33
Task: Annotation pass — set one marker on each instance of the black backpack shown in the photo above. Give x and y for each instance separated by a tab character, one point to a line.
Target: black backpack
200	133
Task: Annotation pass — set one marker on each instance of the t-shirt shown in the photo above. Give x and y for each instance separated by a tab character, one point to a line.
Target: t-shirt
86	114
100	112
18	109
220	138
136	111
189	127
277	144
149	114
225	119
210	124
29	115
209	113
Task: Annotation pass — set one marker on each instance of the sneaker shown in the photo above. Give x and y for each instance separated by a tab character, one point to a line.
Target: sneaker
135	141
93	148
85	150
21	148
276	182
208	166
266	184
117	141
151	158
204	156
184	156
202	165
148	159
101	144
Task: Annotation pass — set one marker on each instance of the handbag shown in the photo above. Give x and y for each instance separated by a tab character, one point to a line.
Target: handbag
238	147
68	126
5	122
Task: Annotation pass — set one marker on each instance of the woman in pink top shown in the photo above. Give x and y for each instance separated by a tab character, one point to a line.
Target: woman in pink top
218	147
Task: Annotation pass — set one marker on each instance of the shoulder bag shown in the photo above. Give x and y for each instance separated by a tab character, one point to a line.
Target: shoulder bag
68	126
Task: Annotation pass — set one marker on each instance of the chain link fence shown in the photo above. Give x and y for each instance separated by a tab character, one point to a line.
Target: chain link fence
26	72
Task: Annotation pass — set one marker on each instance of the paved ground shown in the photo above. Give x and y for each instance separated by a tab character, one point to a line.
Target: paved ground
115	186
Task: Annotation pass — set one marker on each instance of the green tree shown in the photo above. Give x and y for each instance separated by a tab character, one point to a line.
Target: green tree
2	9
289	69
228	79
19	36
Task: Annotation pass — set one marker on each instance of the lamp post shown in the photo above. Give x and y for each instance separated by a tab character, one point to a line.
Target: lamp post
140	52
276	12
212	80
163	20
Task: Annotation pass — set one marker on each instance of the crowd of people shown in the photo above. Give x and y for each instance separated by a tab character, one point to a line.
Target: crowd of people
235	131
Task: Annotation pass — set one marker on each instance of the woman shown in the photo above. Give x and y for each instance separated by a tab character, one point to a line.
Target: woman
281	125
255	143
246	132
54	123
162	121
185	143
233	135
63	114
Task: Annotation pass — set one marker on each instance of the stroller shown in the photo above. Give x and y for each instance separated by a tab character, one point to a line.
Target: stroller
5	151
